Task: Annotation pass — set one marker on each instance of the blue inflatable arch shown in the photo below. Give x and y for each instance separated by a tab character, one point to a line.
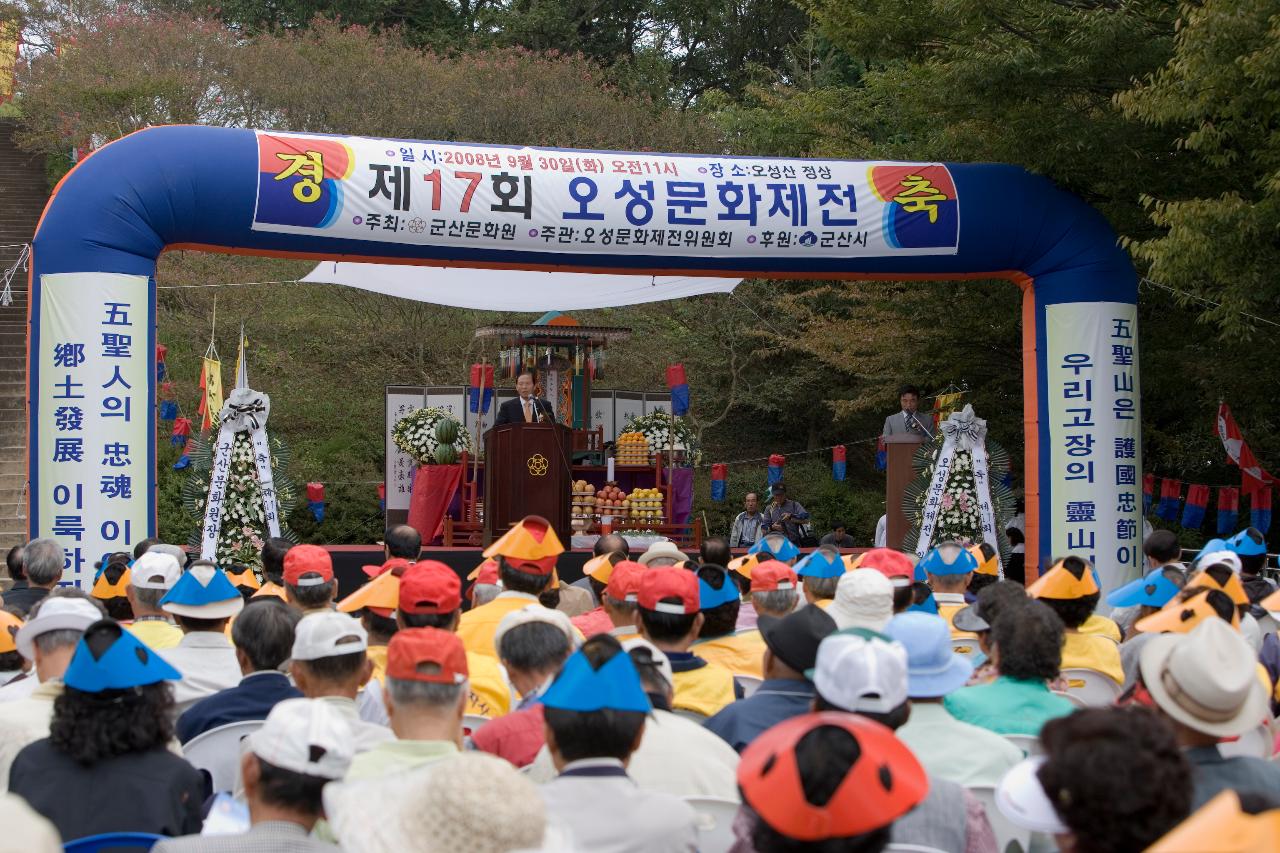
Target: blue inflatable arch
91	429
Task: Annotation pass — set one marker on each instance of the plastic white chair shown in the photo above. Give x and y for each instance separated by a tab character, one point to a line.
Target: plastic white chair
1096	689
1257	742
749	684
217	752
690	715
472	723
1029	744
900	847
715	822
1010	838
967	646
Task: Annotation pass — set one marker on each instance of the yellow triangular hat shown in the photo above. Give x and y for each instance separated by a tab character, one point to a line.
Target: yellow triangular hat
990	565
1060	582
532	539
383	592
246	578
104	590
601	568
744	565
1220	826
1232	587
1179	617
270	588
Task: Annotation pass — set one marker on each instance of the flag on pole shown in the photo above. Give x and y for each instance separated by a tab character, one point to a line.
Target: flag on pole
242	363
211	381
481	380
1228	510
1253	477
1197	503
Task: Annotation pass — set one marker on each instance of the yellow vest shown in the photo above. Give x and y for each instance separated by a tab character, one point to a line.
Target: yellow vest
1092	651
948	612
823	603
741	653
378	655
157	634
477	627
704	690
489	695
1102	626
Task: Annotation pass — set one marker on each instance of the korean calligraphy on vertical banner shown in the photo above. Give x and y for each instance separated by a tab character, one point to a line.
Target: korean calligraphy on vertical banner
93	425
401	401
526	199
1092	387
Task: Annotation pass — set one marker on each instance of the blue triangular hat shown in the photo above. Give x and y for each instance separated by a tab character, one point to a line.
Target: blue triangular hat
615	686
935	564
1248	543
1154	590
787	552
709	596
929	605
126	663
203	592
819	565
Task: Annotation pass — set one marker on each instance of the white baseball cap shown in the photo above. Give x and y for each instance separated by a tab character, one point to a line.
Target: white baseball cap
864	599
1229	558
155	570
328	635
55	614
536	613
860	670
305	736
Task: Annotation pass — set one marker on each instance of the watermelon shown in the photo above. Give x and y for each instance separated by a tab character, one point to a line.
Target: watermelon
447	431
446	454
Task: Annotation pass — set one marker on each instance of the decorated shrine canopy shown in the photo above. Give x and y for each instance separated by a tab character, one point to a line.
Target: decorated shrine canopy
92	380
515	290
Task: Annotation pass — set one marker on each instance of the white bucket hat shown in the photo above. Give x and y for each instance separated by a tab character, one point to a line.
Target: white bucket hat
55	614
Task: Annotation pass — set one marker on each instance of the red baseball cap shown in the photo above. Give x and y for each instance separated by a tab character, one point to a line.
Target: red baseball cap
427	654
888	562
773	575
395	564
662	582
430	586
302	560
624	583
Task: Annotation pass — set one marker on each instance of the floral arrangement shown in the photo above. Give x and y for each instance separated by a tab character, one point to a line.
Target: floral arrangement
244	523
656	427
960	518
418	435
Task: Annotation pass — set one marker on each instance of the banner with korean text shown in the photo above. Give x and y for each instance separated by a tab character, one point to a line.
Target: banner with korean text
522	199
1093	393
94	431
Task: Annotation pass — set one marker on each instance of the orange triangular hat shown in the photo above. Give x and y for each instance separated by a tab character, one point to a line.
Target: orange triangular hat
103	590
531	538
9	625
475	573
744	565
1179	617
601	568
991	565
382	592
1061	582
1271	602
245	578
1232	587
270	588
1221	826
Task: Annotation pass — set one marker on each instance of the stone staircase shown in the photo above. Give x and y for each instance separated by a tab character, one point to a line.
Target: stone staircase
23	193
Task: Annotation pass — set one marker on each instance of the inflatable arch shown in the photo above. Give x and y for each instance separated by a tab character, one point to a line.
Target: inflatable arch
91	377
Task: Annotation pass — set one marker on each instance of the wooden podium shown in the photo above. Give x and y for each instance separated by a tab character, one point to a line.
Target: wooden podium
898	475
526	472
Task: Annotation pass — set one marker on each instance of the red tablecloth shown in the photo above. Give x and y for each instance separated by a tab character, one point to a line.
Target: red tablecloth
433	489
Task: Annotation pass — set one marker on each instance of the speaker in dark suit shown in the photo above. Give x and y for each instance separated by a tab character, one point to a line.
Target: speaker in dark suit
512	411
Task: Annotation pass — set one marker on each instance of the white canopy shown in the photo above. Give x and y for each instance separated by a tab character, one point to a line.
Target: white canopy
514	290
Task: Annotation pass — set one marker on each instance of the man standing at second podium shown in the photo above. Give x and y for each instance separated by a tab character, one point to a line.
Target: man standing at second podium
909	421
525	408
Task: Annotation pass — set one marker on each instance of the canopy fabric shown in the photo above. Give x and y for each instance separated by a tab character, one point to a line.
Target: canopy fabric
514	290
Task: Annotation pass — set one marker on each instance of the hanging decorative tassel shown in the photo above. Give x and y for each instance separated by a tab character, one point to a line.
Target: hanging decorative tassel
382	496
882	454
776	463
162	353
168	410
481	377
719	471
1260	511
1170	497
1228	510
1148	492
183	462
1197	503
181	430
838	463
315	501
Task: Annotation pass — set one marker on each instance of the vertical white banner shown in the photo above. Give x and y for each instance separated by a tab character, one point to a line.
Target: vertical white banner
93	489
626	405
1095	436
400	467
602	414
